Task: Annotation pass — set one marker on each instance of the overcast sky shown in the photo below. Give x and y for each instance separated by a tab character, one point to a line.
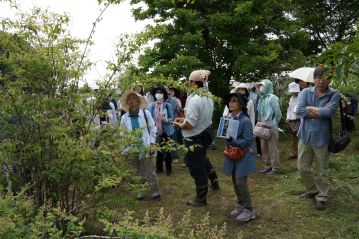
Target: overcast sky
117	19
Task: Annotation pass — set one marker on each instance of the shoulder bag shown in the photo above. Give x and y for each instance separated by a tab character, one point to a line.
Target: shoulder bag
263	129
341	141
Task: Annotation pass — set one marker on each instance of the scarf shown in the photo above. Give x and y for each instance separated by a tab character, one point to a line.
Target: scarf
158	114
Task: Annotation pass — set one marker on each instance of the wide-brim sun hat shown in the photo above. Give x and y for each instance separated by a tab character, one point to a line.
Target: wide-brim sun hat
293	88
123	100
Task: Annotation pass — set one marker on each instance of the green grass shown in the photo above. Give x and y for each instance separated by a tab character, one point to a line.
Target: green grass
281	213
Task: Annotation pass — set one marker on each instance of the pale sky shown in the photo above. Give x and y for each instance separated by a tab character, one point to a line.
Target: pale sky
116	20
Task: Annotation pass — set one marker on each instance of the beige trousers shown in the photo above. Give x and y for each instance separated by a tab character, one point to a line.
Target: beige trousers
145	168
306	155
270	151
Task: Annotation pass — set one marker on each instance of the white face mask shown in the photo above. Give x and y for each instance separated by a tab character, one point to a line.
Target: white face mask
159	96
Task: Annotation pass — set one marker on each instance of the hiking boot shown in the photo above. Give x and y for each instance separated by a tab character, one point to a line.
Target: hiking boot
237	211
321	205
308	195
196	202
246	215
265	170
140	196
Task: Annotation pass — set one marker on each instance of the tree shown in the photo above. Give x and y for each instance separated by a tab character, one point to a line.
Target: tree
327	22
247	40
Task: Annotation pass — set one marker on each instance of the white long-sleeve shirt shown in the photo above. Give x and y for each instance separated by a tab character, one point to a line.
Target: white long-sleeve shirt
291	115
148	131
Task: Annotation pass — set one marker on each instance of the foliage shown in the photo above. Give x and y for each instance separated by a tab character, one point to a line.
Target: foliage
344	58
327	22
161	226
48	141
19	218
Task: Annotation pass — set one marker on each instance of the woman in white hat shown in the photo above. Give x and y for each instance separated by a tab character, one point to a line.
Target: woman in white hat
292	119
137	117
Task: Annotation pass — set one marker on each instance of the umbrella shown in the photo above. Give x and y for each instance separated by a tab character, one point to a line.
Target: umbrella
304	74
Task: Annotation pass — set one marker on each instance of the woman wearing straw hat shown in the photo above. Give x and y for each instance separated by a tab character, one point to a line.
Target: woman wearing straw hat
137	117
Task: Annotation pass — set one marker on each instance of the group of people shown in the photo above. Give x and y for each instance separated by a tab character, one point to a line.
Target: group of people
310	110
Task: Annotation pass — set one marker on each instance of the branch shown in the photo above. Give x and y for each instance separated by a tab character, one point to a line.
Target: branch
98	19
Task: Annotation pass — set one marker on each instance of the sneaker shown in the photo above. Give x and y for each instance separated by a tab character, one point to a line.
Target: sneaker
265	170
237	211
321	205
140	196
246	215
308	195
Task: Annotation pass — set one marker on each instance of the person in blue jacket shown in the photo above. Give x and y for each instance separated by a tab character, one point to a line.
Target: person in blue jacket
162	114
240	169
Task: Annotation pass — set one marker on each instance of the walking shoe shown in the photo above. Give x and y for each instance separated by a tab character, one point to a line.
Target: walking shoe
196	202
237	211
273	171
246	215
292	157
157	197
321	205
265	170
140	196
308	195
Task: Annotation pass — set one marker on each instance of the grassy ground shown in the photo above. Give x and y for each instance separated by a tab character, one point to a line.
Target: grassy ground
281	213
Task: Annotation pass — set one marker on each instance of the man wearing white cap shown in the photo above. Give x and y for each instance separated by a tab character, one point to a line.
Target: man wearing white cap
194	126
292	119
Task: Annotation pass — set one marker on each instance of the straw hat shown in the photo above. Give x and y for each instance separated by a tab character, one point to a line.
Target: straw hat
123	100
293	88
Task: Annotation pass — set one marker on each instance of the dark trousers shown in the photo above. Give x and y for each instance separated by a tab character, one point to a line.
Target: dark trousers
198	164
164	156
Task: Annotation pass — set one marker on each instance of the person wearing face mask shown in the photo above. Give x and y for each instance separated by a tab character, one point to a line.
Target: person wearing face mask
269	112
162	114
